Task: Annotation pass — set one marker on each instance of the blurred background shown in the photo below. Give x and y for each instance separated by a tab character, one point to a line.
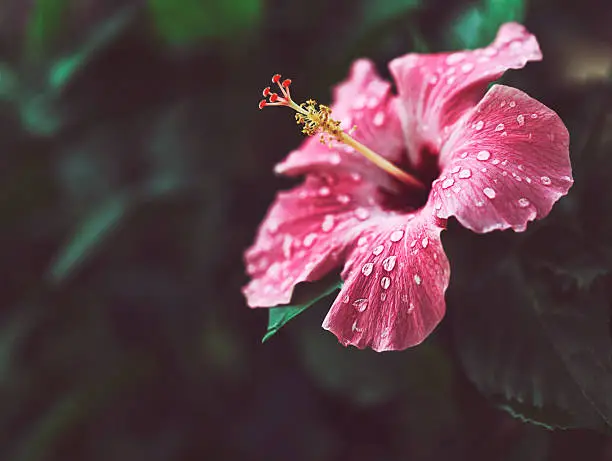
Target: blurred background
135	168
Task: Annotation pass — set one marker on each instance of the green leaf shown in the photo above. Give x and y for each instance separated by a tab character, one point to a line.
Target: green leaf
89	235
279	316
190	20
532	333
376	13
44	24
478	25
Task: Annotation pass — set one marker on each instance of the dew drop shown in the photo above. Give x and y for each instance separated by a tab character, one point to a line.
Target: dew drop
362	241
447	183
489	192
566	178
378	250
456	169
523	202
490	52
356	177
360	304
521	167
309	240
379	118
425	242
383	296
417	279
495	162
499	127
410	308
528	179
328	223
484	170
467	67
389	263
512	104
464	155
362	214
546	180
404	298
483	155
464	174
450	80
454	58
343	199
367	269
324	191
397	235
479	125
346	299
534	116
520	119
385	282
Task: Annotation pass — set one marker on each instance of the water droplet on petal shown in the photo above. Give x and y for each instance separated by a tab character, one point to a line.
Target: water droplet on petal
499	127
479	125
309	240
455	169
534	116
389	263
343	199
425	242
328	223
521	167
378	250
346	299
362	241
464	174
385	282
495	161
383	296
360	304
379	118
454	58
397	235
523	202
464	155
362	214
490	51
546	180
520	119
512	104
417	279
483	155
324	191
411	308
356	177
528	179
447	183
489	192
367	269
467	67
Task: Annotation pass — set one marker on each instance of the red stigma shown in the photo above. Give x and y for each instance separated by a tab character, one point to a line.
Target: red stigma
273	97
266	92
286	83
276	78
262	104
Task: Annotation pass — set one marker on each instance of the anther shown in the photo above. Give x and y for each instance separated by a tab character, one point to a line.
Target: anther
276	78
262	104
286	82
266	92
273	97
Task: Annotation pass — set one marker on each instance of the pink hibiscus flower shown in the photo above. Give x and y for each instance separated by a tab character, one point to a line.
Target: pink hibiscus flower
375	201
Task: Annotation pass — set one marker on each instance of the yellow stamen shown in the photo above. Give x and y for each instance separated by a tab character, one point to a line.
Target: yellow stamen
316	119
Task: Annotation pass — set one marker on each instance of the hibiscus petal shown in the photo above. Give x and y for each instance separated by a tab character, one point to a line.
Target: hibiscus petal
437	89
365	101
304	235
505	165
395	278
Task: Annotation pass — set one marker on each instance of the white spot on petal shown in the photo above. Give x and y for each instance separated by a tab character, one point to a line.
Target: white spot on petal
489	192
483	155
397	235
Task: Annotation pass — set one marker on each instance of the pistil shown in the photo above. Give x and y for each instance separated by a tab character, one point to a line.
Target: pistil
316	119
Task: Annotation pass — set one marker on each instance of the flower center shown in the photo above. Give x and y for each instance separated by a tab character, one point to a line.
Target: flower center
316	119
